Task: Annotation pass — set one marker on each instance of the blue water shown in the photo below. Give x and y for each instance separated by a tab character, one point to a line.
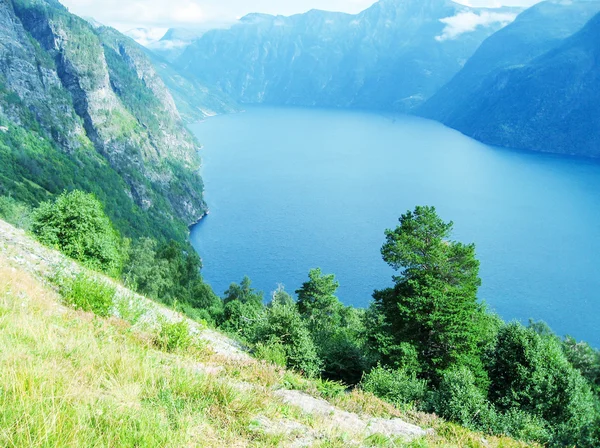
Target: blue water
293	189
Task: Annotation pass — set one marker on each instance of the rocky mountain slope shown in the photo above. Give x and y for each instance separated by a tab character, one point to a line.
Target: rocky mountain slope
513	98
83	107
391	56
72	378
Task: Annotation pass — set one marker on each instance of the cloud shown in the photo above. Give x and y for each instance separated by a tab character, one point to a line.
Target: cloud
466	22
146	36
124	14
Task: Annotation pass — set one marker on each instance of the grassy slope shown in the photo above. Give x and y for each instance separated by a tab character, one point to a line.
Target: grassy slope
69	378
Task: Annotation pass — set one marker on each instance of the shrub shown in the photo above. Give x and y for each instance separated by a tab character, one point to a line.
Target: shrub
15	213
394	386
522	426
89	294
330	389
273	352
283	325
458	399
76	225
173	336
530	372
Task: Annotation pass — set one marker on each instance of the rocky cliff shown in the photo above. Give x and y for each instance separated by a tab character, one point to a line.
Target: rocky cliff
88	100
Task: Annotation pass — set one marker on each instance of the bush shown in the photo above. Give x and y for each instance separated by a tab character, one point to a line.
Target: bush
173	336
89	294
283	325
394	386
15	213
273	352
330	389
76	225
522	426
529	371
458	399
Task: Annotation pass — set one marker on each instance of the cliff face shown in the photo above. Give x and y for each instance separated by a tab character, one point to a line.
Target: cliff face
391	56
92	93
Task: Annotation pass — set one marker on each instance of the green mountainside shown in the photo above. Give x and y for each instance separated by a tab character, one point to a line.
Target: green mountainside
83	107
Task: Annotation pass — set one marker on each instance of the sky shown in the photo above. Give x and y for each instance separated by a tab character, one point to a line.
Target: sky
160	15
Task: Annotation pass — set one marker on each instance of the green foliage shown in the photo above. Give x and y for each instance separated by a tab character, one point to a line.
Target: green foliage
243	308
433	305
530	372
330	389
585	359
316	297
88	294
335	329
458	399
173	336
395	386
15	212
171	272
273	352
76	225
283	326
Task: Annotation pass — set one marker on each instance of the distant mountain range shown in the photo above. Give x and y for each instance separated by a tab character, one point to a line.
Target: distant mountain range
392	56
533	85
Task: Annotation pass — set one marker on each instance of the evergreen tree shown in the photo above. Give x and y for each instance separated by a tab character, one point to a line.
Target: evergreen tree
433	307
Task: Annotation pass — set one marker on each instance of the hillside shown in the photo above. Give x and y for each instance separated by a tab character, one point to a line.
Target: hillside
392	56
83	107
532	85
71	378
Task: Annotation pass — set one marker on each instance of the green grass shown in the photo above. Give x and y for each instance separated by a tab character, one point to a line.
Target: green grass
71	378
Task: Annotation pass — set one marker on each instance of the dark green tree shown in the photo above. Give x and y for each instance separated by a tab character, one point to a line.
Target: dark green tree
433	307
529	372
283	326
243	309
336	329
76	225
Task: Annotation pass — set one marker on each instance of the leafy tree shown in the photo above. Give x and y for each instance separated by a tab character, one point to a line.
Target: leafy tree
585	359
395	386
433	305
336	329
243	308
530	372
77	225
282	326
316	298
458	398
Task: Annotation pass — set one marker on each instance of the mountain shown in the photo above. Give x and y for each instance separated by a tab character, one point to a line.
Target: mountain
393	55
550	103
534	32
83	107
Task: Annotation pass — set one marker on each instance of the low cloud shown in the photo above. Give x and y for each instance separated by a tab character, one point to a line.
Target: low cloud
467	22
146	36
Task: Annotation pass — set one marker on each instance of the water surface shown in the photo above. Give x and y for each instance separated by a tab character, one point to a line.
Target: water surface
293	189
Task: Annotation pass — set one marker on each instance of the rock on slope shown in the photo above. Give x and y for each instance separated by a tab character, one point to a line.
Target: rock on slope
527	87
393	55
85	108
